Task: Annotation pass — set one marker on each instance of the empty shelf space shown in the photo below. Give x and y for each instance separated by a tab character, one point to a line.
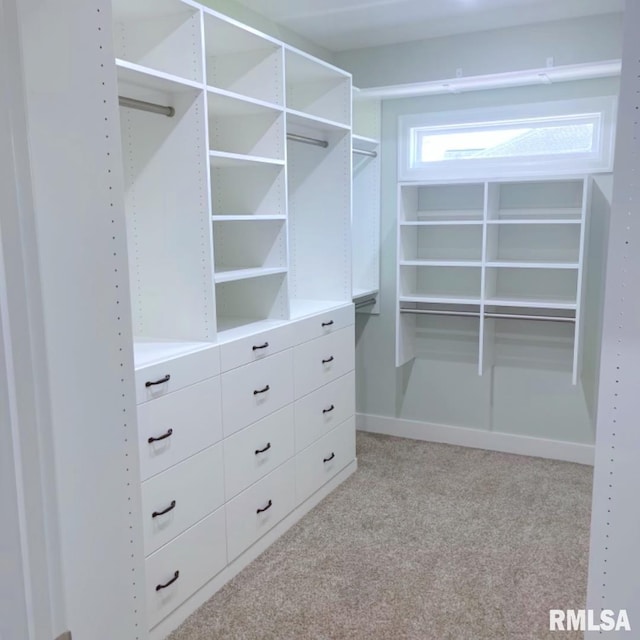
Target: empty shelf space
316	123
514	264
440	281
234	328
443	223
537	221
532	302
441	243
317	88
244	274
163	36
247	218
363	142
442	203
247	187
440	263
247	249
240	60
142	77
228	103
440	299
302	307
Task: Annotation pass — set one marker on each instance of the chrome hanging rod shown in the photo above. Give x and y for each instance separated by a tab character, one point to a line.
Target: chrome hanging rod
151	107
306	140
476	314
364	152
365	303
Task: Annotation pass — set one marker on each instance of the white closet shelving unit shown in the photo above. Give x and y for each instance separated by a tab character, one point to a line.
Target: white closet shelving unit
238	179
499	263
366	204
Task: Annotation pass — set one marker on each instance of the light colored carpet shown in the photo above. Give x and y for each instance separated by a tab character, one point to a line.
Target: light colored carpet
425	542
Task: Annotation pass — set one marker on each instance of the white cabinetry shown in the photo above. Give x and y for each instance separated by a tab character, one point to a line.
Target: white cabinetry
498	264
237	159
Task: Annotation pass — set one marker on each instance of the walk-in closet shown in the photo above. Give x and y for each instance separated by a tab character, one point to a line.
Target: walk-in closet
318	319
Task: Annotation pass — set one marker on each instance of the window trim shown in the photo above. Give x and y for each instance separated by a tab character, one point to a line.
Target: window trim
602	109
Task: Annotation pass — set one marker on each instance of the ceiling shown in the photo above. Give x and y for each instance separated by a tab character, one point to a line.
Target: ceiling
339	25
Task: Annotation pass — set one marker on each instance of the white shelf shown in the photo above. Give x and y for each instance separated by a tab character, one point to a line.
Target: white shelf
370	143
532	265
151	79
358	294
148	351
440	299
234	328
532	303
300	118
226	159
233	275
441	223
441	263
534	221
249	217
228	103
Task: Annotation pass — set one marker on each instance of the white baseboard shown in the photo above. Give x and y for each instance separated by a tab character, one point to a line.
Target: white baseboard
180	614
477	438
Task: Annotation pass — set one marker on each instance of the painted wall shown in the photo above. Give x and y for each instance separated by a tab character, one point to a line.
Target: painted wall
262	23
522	400
566	41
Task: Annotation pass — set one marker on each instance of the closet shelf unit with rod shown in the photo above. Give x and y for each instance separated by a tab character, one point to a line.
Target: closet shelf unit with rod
493	253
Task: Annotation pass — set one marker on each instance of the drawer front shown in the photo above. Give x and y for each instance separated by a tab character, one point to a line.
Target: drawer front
322	360
180	424
321	411
317	464
194	557
176	499
253	348
256	510
254	391
157	380
257	450
323	324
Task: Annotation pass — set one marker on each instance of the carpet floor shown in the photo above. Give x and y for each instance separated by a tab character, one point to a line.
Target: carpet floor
424	542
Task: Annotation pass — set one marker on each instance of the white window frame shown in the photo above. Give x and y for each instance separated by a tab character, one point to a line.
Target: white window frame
601	111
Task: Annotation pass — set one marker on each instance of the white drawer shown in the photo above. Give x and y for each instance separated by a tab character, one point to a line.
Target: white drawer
323	360
178	425
326	408
253	348
256	390
176	499
190	561
257	450
323	324
159	379
317	464
256	510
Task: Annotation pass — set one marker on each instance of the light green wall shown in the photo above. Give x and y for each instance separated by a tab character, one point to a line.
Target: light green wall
520	400
262	23
528	47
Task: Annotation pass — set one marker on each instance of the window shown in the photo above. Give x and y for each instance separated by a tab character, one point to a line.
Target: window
555	137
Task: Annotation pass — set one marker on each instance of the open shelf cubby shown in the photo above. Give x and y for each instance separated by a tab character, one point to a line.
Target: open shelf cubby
453	203
441	242
536	200
248	189
242	61
245	128
316	88
432	283
164	35
249	245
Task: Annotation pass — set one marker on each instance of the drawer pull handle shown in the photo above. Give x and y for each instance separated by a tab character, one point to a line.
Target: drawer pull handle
328	360
171	507
269	505
162	437
257	391
162	380
260	346
327	324
331	457
331	408
176	575
265	449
